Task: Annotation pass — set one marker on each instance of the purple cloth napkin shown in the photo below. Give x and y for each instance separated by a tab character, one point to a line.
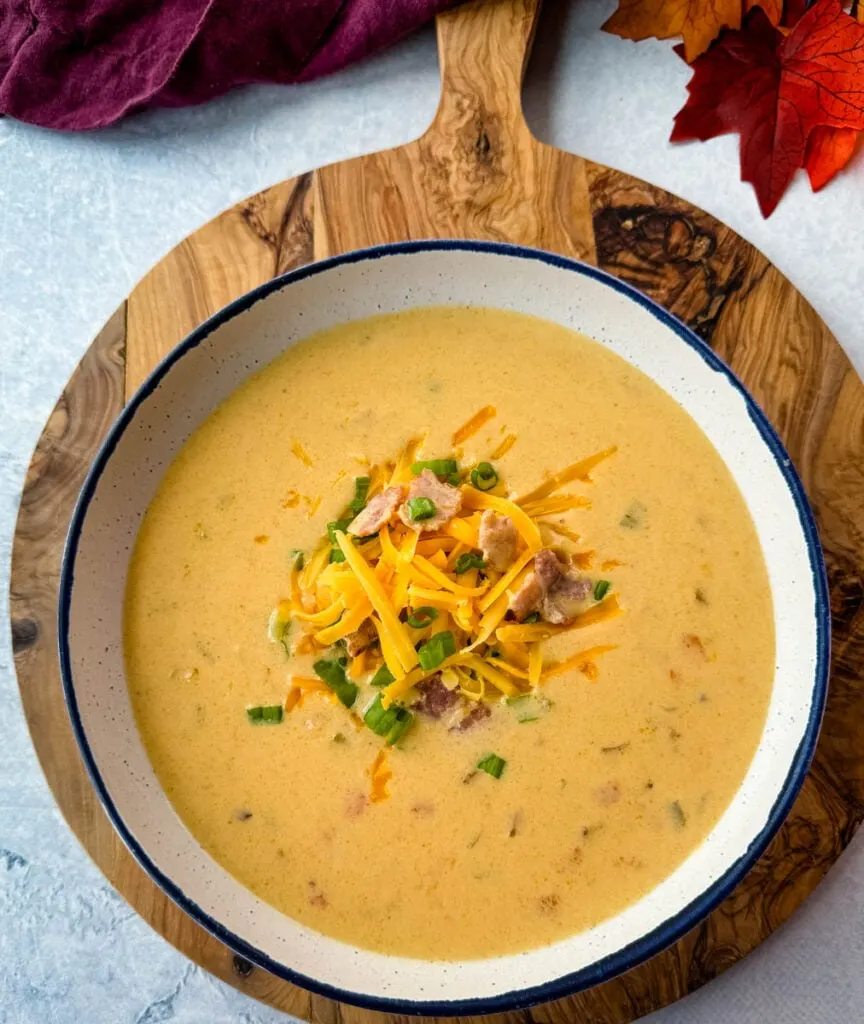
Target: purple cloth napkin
77	64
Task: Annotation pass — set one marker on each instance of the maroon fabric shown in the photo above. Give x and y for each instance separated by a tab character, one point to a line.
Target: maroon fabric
77	64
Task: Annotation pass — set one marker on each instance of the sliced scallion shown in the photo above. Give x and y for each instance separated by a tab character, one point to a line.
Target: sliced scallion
468	561
392	722
601	589
529	620
492	764
440	467
333	674
421	508
484	476
420	618
383	677
361	493
404	721
278	629
436	649
265	714
297	558
337	526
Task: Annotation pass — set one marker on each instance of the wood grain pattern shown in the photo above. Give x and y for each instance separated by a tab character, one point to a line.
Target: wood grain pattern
478	172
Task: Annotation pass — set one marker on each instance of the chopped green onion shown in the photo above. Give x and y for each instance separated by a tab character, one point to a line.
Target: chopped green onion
484	477
403	724
440	467
492	764
297	558
338	526
436	649
277	630
265	714
421	508
468	561
420	618
361	493
383	677
601	589
333	674
454	479
523	719
518	699
529	620
392	722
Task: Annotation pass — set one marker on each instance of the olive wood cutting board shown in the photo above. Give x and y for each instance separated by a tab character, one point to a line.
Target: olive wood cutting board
479	173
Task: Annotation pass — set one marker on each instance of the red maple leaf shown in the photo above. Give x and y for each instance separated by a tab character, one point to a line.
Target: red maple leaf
774	90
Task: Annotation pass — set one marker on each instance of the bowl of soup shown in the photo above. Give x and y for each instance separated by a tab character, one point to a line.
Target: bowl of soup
444	627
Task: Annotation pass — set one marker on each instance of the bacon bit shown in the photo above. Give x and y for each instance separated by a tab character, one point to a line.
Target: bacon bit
478	420
361	639
262	538
552	589
611	563
504	447
673	675
498	539
447	500
476	715
291	500
377	513
380	775
300	452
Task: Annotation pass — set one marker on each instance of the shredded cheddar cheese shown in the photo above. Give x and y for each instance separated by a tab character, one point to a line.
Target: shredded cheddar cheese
578	471
428	619
477	422
504	447
300	452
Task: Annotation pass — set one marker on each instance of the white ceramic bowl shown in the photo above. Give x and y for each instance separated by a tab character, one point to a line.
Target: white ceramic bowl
209	365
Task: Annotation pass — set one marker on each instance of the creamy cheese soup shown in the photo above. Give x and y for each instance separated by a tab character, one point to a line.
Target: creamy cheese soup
512	686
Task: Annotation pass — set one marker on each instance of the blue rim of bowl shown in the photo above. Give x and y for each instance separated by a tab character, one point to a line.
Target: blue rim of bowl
615	963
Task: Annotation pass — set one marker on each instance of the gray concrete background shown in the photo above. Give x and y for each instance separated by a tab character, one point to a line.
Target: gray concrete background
83	217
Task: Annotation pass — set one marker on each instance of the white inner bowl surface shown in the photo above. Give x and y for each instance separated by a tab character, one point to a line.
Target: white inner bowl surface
126	477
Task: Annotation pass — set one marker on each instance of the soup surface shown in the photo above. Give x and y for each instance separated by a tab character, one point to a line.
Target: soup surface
603	778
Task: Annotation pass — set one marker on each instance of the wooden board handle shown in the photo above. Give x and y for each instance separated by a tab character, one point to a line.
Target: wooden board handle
483	49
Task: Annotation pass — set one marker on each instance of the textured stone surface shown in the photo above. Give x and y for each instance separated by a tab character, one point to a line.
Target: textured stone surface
82	218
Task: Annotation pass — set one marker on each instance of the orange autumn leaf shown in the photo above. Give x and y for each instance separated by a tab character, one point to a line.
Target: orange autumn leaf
699	22
828	151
